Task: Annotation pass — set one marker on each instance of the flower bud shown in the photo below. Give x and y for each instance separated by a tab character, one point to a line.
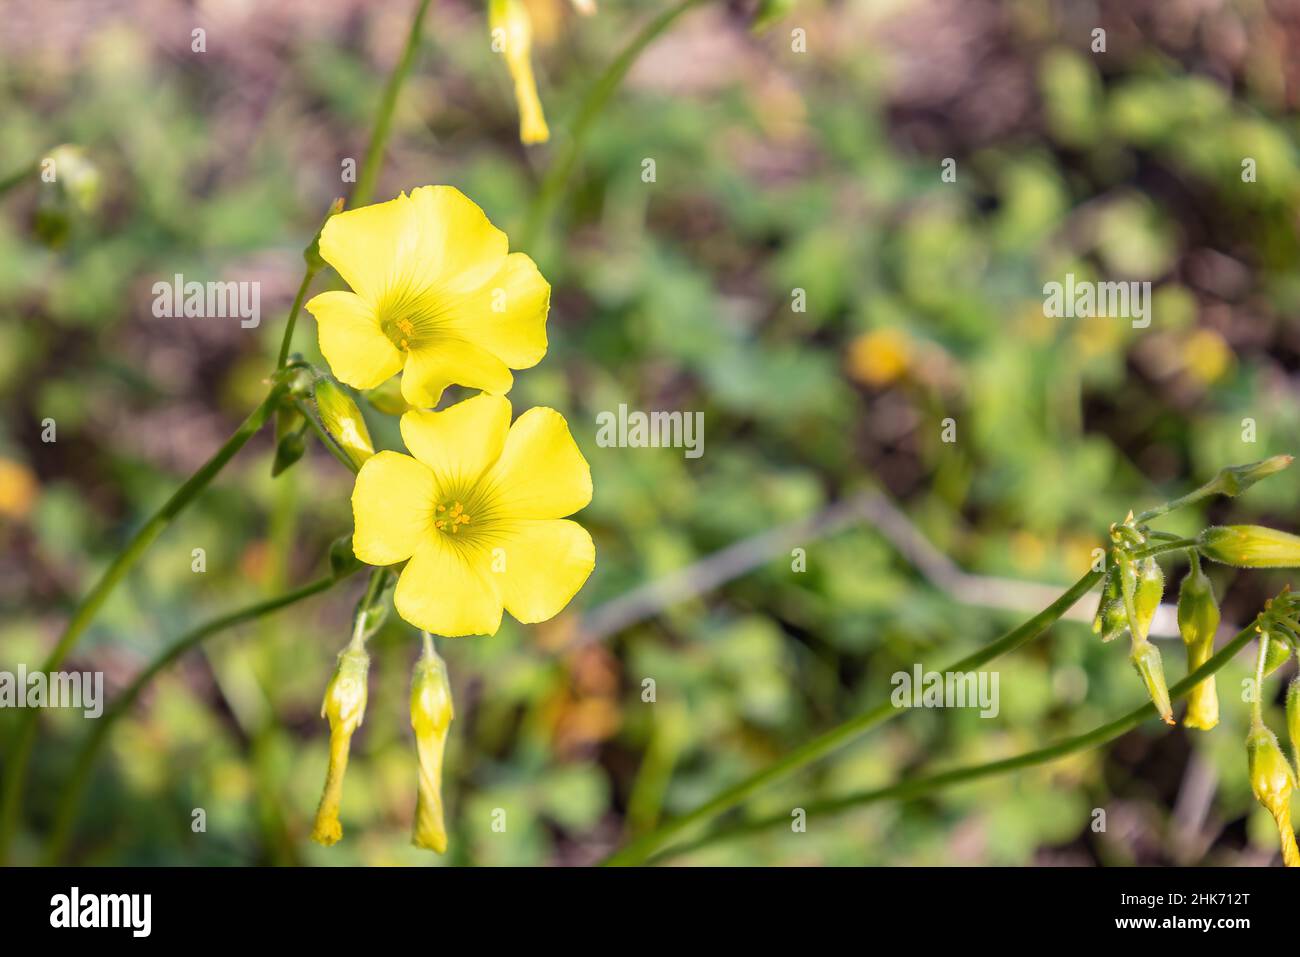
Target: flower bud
1111	620
1272	782
343	561
1232	480
387	398
1277	651
1146	659
311	254
431	716
512	26
345	707
1198	621
1146	597
342	421
1250	546
290	438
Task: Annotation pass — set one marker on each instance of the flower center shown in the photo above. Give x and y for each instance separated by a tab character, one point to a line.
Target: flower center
400	332
450	517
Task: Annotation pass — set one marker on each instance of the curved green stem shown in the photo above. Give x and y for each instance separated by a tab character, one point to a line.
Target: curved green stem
70	799
25	736
640	849
557	174
918	787
369	172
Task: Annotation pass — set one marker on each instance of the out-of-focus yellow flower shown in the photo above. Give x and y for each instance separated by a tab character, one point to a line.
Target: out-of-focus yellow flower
1206	356
585	7
479	511
434	293
879	357
512	32
17	489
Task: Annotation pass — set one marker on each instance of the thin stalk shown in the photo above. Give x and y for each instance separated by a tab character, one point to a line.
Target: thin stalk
641	848
369	172
287	339
1172	545
557	174
71	797
25	737
17	176
1257	699
918	787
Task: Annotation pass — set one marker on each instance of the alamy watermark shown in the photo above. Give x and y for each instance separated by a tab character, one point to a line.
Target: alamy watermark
1084	299
57	689
654	430
213	300
948	689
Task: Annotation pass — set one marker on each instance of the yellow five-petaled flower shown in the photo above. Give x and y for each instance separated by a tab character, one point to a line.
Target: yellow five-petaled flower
479	511
435	294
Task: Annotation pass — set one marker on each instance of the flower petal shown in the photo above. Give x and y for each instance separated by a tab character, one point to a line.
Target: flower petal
351	341
546	563
430	369
458	246
391	505
507	316
372	245
460	442
541	473
449	589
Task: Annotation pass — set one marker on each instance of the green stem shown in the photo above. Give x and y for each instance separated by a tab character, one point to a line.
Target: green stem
287	340
369	172
1174	545
917	787
641	848
70	799
557	174
25	737
1257	699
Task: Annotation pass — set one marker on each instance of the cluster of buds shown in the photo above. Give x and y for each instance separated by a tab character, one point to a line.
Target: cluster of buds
1131	591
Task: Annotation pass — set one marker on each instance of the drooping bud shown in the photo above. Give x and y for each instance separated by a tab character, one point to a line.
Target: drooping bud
345	707
342	421
512	27
312	253
1198	621
1250	546
431	716
1146	659
1272	781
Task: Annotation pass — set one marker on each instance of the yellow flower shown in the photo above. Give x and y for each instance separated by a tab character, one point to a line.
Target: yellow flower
512	35
479	512
434	293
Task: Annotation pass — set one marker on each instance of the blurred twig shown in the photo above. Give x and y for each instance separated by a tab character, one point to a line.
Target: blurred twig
870	507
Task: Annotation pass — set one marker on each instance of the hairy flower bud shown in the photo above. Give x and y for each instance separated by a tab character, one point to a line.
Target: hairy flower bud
431	716
1232	480
1146	598
1272	781
1198	621
1146	659
1250	546
345	707
1111	620
1293	716
342	421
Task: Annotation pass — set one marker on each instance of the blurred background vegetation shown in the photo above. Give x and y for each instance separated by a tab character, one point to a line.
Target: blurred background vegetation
776	170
